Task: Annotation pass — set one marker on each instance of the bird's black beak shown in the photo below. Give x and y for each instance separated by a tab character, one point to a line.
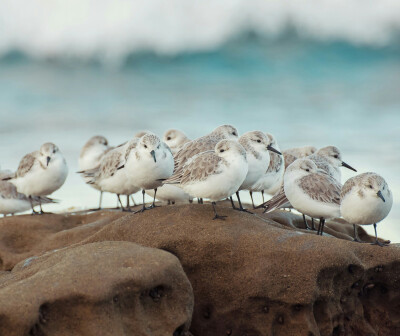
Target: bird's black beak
272	149
344	164
379	194
48	160
153	154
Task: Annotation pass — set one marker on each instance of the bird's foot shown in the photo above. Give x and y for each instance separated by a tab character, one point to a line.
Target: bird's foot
219	217
377	242
153	206
95	209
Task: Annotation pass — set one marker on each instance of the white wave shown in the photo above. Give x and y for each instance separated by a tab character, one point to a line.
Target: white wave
109	30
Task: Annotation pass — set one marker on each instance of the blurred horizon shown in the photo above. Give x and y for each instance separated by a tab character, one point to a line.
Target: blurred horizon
311	73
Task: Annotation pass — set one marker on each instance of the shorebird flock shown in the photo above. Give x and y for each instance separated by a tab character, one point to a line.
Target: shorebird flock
215	167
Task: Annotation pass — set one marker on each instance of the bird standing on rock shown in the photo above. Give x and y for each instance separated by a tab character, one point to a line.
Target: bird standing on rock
149	163
40	173
272	179
109	175
366	199
312	192
214	174
90	157
257	147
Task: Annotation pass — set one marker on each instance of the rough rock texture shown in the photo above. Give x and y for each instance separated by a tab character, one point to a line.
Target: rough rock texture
251	274
106	288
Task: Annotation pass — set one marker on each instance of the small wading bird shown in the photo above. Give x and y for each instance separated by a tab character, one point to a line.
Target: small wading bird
213	174
40	173
366	199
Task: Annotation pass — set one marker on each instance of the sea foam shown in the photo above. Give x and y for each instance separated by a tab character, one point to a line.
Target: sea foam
109	31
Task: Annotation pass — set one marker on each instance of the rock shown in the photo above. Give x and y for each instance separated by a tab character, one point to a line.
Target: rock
255	274
106	288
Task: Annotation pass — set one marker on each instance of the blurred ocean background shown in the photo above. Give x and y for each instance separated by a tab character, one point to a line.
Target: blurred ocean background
310	72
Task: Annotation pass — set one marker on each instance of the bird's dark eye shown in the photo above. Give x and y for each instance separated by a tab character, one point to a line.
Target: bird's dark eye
258	140
54	151
371	186
234	133
222	150
169	138
307	170
145	146
336	156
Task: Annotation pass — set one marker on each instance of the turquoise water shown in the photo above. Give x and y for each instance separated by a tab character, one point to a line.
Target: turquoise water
301	90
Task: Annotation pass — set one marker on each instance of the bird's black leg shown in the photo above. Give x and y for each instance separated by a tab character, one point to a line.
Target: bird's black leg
41	210
101	199
355	235
154	200
133	200
233	204
240	204
143	205
128	206
122	207
252	201
305	222
262	194
321	226
33	210
215	212
313	225
377	242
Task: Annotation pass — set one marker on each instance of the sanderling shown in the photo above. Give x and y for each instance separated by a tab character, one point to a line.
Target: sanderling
110	176
257	147
214	174
90	157
171	194
12	202
328	159
175	139
40	173
202	144
272	179
292	154
365	199
311	191
149	164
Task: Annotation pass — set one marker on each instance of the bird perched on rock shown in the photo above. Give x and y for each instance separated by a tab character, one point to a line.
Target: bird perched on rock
110	176
272	179
90	157
148	163
311	191
40	173
214	174
328	159
258	147
365	199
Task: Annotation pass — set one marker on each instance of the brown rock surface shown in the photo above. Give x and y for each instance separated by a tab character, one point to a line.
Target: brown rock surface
251	274
106	288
